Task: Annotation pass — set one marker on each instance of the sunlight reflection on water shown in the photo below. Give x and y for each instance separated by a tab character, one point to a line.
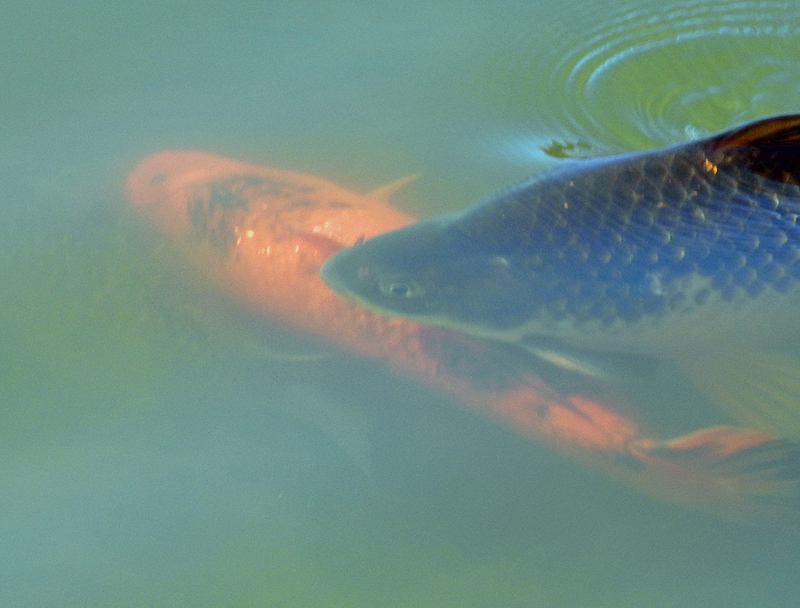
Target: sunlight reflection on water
649	76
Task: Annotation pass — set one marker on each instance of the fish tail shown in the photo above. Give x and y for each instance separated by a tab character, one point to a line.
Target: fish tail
744	474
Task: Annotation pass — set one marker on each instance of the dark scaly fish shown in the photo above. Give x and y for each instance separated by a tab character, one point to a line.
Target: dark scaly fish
690	252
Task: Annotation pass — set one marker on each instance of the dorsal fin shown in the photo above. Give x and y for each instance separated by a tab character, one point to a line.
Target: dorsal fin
769	132
385	191
768	148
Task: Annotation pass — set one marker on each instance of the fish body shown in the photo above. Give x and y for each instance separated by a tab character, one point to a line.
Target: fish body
684	252
620	247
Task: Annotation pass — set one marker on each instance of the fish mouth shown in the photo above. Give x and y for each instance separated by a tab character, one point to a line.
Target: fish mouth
335	273
331	274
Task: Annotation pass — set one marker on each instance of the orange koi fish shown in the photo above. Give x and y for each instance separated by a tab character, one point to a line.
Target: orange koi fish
261	235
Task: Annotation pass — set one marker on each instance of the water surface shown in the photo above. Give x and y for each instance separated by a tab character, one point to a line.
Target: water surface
155	452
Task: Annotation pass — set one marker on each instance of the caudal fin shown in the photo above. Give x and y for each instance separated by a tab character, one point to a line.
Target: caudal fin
741	473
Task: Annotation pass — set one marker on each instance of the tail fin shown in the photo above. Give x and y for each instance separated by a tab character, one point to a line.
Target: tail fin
742	473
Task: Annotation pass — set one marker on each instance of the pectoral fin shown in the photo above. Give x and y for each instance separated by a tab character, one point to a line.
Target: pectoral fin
608	366
757	389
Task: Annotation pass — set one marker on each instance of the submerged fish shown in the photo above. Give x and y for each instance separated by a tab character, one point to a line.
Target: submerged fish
690	253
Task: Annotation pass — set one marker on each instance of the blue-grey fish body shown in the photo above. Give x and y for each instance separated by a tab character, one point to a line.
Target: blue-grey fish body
688	252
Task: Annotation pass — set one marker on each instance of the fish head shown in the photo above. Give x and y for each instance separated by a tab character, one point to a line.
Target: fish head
430	272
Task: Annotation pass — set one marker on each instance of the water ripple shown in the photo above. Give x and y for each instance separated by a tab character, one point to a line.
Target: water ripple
647	77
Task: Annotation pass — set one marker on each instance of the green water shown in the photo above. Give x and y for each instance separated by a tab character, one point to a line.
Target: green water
155	452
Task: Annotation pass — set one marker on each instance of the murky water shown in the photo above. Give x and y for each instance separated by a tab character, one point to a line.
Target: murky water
159	447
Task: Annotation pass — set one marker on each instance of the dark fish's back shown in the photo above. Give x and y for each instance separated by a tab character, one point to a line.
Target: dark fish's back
687	233
617	238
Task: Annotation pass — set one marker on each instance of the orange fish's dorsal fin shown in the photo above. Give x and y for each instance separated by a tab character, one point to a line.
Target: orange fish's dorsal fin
771	132
387	190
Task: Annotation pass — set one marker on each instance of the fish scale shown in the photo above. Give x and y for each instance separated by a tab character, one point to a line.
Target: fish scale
610	240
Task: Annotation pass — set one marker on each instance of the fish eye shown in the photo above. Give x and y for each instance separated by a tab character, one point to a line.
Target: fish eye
400	289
